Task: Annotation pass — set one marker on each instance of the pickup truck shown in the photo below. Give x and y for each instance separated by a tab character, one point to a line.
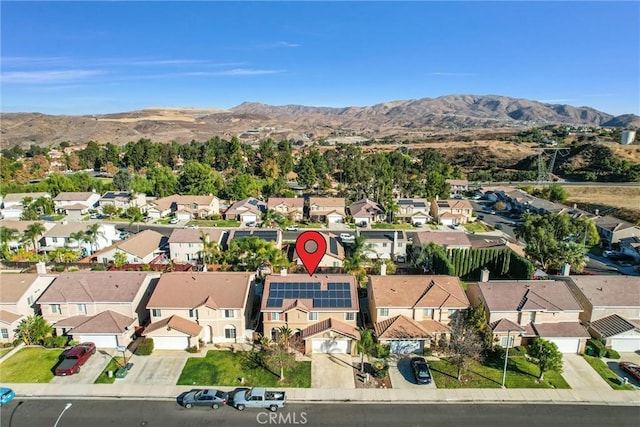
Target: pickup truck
75	358
258	397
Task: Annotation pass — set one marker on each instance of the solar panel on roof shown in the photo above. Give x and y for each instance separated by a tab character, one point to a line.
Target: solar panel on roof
333	246
420	205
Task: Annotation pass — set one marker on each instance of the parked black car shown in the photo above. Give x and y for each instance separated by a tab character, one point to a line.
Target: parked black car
421	370
205	397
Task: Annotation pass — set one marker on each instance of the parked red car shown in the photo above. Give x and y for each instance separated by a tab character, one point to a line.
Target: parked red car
75	358
631	369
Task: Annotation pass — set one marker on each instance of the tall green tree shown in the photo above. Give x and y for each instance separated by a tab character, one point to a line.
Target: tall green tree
365	345
546	355
465	344
7	235
250	253
33	233
197	179
33	329
122	180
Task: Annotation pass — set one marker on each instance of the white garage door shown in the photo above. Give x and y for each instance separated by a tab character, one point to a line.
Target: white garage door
101	341
170	343
406	346
334	219
566	345
626	344
330	345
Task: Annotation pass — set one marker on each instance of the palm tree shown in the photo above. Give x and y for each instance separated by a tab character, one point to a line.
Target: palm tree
353	263
284	336
136	217
32	234
210	249
392	208
44	205
365	345
94	232
7	235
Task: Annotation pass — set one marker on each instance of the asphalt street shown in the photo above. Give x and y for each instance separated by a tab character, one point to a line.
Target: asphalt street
102	413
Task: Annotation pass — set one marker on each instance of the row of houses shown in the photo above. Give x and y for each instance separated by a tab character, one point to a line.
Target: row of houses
188	309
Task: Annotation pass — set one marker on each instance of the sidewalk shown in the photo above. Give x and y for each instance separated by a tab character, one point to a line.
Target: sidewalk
310	395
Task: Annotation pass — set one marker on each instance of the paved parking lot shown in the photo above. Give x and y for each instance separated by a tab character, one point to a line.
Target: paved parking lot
88	372
402	377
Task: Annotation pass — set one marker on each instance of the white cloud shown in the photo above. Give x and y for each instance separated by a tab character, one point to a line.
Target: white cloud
47	76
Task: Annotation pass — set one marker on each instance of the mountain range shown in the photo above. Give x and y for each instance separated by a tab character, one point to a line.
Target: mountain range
408	119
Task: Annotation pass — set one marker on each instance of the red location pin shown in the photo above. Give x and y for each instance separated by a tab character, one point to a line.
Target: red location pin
311	247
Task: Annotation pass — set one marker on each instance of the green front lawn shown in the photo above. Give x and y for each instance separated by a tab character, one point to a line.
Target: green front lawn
475	227
113	365
225	368
4	351
520	374
215	223
385	226
30	365
607	374
311	225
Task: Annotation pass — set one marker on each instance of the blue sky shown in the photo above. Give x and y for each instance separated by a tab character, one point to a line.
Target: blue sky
99	57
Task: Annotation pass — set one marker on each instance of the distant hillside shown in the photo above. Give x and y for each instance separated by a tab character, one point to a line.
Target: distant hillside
410	119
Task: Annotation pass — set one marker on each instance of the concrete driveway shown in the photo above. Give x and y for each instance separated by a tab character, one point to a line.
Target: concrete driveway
332	371
159	368
402	376
88	372
580	375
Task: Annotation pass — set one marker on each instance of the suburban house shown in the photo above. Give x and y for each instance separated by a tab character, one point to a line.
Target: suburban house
122	199
18	296
413	211
290	207
327	209
75	204
611	308
448	240
333	257
184	207
103	307
519	311
631	246
612	229
20	227
146	247
385	244
321	310
411	313
214	307
187	245
59	236
268	234
458	186
451	211
13	204
487	241
246	211
366	212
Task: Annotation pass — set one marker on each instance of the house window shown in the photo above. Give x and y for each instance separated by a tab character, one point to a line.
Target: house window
384	244
229	314
54	240
55	309
82	308
505	343
5	333
193	313
383	312
230	332
350	316
29	300
399	244
313	316
156	312
428	313
275	316
452	312
190	245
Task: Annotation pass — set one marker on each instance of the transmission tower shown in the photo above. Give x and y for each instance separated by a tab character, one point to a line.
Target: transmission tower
545	171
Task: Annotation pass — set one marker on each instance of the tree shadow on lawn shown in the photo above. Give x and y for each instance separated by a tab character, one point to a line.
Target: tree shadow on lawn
512	365
253	360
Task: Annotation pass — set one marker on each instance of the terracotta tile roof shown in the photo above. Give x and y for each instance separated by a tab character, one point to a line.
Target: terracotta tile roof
505	325
442	238
561	329
107	322
423	291
178	323
294	202
166	203
300	304
21	226
328	202
434	327
73	196
75	207
71	322
304	281
191	235
524	295
399	327
95	286
455	204
143	243
609	290
251	205
14	285
365	207
197	289
612	325
8	317
330	324
19	197
335	248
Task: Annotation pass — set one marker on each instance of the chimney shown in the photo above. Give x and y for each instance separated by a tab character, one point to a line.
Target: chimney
283	271
383	269
566	269
394	247
41	268
484	275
